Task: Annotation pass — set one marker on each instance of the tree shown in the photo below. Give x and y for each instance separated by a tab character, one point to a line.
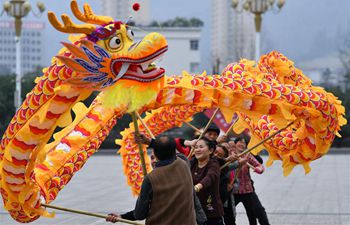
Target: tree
179	22
7	89
7	109
344	56
154	24
326	74
344	141
195	22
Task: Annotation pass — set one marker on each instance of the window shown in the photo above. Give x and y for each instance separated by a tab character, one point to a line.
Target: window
194	67
194	44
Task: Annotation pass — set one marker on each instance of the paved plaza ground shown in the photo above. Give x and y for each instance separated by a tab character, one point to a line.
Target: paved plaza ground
321	197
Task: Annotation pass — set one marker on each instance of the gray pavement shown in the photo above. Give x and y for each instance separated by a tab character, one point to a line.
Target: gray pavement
321	197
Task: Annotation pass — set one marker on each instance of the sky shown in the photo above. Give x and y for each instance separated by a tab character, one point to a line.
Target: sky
304	30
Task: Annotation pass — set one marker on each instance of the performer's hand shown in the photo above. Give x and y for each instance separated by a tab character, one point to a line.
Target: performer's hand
232	158
243	161
221	139
113	218
257	170
141	138
190	143
198	187
230	186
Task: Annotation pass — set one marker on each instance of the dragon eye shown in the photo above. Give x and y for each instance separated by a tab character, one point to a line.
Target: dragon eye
130	34
115	42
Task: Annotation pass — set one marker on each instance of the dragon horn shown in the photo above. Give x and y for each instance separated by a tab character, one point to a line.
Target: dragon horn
69	26
88	16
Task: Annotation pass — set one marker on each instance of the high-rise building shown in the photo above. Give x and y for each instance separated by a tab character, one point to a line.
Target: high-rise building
31	46
233	35
122	10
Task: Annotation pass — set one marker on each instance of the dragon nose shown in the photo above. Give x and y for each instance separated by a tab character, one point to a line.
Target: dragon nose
156	39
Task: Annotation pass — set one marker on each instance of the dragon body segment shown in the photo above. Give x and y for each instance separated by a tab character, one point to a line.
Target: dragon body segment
103	57
45	107
73	146
265	96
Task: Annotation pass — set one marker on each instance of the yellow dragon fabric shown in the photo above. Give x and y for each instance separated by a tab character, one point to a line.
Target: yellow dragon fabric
266	98
104	58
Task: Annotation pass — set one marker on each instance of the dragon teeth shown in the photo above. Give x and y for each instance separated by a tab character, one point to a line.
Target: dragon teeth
144	66
123	70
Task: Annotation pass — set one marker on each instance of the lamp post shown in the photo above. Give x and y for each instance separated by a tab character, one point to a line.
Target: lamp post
258	8
19	9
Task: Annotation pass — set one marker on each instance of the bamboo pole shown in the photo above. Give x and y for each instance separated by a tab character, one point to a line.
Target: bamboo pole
260	143
205	129
230	128
142	157
193	127
145	126
250	166
88	213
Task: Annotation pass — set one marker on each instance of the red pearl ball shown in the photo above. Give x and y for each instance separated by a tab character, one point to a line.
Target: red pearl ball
136	7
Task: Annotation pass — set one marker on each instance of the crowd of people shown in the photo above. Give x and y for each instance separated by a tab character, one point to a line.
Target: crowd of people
198	181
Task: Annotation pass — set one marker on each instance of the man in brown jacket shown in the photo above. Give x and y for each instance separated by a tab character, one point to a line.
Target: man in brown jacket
166	196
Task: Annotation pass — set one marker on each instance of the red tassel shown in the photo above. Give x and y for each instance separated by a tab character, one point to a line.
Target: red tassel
117	25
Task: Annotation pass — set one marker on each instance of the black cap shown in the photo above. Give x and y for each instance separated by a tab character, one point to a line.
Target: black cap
241	138
213	127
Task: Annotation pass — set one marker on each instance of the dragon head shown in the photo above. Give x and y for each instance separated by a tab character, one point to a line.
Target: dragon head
107	53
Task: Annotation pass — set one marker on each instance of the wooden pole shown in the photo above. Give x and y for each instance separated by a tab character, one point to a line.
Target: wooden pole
230	128
145	126
193	127
137	132
88	213
250	166
260	143
205	130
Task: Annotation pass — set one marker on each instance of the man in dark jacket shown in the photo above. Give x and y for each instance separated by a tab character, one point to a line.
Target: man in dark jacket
166	195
